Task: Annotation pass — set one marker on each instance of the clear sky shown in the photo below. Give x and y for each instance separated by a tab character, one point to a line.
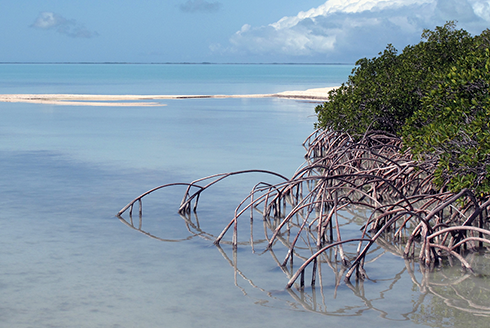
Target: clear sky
220	31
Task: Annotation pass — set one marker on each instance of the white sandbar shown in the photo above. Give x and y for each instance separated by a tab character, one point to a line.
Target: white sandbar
319	94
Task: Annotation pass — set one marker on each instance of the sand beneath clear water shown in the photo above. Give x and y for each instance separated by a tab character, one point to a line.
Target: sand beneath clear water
318	94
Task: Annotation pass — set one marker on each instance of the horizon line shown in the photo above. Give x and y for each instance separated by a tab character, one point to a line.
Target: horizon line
161	63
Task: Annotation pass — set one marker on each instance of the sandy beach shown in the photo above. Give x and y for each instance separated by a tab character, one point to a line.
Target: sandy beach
318	94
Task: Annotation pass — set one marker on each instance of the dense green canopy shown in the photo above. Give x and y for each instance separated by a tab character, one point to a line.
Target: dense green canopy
435	95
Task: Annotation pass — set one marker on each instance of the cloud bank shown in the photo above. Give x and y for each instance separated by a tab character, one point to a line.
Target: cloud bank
69	27
345	30
192	6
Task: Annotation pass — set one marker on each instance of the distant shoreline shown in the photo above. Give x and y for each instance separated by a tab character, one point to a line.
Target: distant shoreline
169	63
318	94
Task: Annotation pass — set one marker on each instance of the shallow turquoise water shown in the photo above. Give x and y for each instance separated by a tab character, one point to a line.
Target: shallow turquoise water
67	261
167	78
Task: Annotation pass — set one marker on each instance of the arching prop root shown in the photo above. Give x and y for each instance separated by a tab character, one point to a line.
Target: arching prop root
341	174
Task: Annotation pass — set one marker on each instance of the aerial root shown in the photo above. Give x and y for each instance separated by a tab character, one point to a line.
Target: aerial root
342	173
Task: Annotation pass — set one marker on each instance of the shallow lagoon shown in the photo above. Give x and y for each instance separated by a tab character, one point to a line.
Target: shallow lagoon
67	261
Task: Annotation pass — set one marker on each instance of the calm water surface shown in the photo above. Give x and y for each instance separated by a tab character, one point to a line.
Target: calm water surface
67	261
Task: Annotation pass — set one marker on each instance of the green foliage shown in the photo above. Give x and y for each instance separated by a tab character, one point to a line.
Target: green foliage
370	99
435	95
454	122
383	92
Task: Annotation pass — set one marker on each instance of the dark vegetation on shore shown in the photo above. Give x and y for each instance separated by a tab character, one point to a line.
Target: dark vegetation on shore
434	96
406	140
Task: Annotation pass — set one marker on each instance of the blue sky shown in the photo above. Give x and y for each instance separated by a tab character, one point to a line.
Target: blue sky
219	31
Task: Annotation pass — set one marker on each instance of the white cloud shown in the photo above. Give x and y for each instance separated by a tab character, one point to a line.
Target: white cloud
68	27
343	6
345	30
482	9
192	6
